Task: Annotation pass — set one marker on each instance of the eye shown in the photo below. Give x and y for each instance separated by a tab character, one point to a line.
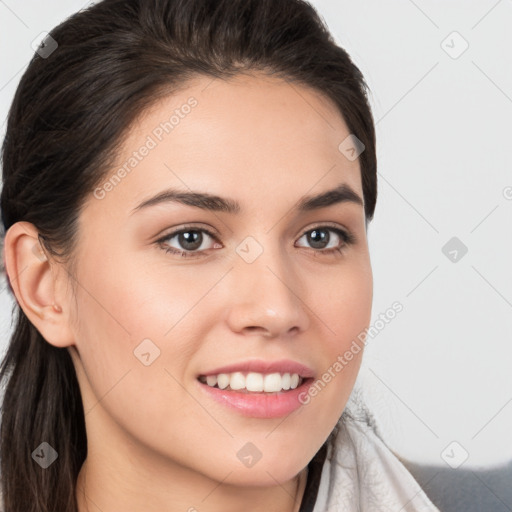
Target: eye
189	239
320	237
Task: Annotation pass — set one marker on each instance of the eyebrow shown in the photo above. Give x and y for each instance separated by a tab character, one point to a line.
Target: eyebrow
341	194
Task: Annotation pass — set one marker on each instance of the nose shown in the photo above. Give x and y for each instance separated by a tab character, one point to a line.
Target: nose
268	297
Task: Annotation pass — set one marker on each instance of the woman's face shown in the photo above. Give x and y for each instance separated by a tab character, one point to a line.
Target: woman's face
268	281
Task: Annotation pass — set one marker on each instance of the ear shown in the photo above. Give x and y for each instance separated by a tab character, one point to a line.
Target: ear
37	284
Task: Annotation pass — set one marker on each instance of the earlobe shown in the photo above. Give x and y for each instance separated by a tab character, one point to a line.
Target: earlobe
35	282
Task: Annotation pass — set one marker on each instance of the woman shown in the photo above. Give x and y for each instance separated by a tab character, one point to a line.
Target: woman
187	189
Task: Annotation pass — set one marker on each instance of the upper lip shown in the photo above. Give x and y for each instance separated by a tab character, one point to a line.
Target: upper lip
261	366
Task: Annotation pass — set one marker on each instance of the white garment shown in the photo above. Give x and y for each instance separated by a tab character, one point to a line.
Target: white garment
361	474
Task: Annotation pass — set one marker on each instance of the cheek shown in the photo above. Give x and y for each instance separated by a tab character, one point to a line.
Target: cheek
342	301
127	301
129	314
343	305
131	368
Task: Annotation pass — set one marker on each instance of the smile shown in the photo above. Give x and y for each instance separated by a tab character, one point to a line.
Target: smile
253	382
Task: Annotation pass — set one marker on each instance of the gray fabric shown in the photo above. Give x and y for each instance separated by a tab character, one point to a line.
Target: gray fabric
465	489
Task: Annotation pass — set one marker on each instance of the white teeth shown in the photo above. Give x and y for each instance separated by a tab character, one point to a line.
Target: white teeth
294	381
211	380
272	383
237	381
254	382
222	380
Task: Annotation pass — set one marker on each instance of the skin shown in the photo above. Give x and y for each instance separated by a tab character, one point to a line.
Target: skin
156	441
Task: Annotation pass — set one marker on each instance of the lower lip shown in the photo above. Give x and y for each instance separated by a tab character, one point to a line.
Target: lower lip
260	405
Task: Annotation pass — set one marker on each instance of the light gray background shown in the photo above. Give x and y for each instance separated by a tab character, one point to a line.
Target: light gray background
439	372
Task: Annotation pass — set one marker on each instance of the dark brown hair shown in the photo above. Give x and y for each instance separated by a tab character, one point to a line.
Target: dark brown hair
71	109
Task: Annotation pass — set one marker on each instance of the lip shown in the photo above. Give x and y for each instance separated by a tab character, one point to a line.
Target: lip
259	405
261	366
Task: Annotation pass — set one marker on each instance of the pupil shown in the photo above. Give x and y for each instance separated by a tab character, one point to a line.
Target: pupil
190	237
319	237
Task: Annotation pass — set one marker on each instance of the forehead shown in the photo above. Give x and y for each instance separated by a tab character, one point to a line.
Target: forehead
254	137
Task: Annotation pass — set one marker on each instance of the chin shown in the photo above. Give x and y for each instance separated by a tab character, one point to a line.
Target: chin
263	473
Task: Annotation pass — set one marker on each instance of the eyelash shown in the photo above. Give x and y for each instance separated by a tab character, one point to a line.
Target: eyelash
347	238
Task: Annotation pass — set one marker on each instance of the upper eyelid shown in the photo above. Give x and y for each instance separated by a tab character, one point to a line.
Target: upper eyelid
214	232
